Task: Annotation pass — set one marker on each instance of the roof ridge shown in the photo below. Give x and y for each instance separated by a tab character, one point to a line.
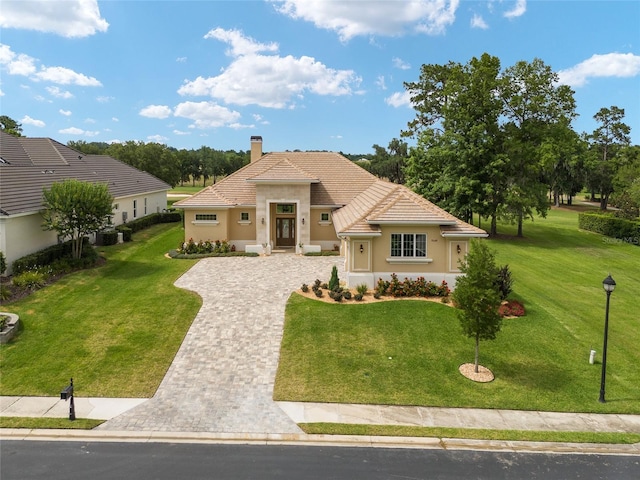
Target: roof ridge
366	212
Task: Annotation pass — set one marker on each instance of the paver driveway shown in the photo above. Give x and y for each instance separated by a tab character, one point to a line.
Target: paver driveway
221	379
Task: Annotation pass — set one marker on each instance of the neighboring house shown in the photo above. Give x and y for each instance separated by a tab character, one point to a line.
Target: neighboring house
28	165
316	201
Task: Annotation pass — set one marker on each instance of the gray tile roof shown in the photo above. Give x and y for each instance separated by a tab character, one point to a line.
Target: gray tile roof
31	164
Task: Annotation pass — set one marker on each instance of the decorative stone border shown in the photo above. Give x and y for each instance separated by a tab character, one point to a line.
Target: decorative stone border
10	328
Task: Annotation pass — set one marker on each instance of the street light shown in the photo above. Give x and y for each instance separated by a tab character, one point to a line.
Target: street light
609	285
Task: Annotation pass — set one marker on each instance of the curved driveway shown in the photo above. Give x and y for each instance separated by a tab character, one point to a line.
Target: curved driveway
222	377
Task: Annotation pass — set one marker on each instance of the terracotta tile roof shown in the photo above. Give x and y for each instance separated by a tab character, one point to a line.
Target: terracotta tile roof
335	180
389	203
31	164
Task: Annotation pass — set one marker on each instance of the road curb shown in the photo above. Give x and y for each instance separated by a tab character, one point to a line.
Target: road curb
317	440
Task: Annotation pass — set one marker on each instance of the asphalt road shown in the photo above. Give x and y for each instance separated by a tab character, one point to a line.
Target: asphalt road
61	460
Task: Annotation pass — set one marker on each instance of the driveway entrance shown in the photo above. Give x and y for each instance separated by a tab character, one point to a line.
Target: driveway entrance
222	377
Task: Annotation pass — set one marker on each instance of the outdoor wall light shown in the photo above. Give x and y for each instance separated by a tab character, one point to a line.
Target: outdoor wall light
458	249
263	220
303	220
361	248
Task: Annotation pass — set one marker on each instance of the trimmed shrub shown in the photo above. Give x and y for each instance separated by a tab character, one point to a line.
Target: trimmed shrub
30	279
504	282
362	289
50	254
127	233
358	297
305	288
609	225
3	263
334	282
106	238
347	295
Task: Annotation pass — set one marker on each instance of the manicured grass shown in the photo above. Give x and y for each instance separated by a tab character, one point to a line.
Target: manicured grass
115	329
48	422
340	353
470	433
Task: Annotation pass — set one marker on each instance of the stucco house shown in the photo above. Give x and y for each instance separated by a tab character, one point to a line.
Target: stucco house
312	201
28	165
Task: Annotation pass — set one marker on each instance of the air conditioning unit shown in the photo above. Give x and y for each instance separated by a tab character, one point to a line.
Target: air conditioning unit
124	217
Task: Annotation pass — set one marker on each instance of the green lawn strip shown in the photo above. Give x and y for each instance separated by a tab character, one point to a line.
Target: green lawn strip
48	422
115	329
340	353
469	433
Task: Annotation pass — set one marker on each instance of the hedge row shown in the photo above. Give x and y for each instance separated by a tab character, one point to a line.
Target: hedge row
609	225
49	255
129	228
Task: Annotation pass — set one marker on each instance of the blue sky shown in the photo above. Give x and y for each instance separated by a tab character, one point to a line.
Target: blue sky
303	74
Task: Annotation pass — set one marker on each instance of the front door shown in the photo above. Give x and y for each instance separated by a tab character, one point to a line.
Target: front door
285	232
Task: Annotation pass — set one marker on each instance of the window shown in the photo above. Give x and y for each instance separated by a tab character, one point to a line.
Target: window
244	216
324	217
116	206
135	208
408	245
206	217
285	208
145	205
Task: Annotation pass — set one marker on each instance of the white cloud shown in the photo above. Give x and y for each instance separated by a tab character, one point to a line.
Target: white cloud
478	22
380	82
66	76
17	64
240	45
157	138
89	120
72	131
68	18
399	99
268	80
518	10
181	59
206	114
104	99
401	64
180	132
155	111
608	65
66	113
388	18
88	133
27	120
1	93
56	92
115	119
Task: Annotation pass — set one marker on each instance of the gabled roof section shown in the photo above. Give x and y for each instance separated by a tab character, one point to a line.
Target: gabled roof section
334	180
33	164
392	204
283	172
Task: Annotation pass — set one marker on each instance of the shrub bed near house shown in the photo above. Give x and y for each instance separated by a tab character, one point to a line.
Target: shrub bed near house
610	225
411	288
50	255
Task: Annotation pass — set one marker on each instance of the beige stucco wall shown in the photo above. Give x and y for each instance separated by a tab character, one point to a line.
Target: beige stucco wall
202	231
21	235
240	231
322	233
372	262
269	195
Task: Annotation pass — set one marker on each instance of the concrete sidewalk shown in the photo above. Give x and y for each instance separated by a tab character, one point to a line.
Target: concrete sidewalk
299	412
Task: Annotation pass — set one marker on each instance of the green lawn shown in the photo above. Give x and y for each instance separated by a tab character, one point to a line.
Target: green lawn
115	329
341	353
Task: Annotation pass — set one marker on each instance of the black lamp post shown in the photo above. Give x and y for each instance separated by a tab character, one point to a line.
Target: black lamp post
609	285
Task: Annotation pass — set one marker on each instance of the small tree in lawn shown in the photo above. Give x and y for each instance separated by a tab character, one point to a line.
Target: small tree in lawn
477	296
75	209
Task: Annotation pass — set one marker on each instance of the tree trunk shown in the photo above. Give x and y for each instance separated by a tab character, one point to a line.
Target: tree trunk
477	352
520	225
494	225
604	200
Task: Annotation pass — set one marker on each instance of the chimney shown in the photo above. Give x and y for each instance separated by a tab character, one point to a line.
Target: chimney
256	148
